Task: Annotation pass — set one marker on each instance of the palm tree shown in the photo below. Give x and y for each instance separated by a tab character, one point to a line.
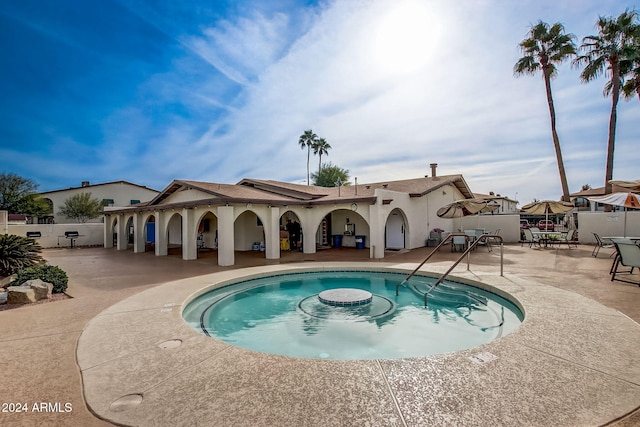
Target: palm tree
308	139
632	85
545	47
610	52
321	147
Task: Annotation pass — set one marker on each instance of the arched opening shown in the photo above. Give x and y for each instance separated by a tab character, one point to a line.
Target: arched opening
395	231
207	236
129	232
174	235
290	232
248	233
49	217
150	234
114	232
347	229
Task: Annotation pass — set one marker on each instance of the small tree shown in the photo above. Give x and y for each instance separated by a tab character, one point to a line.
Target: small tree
16	253
33	205
329	175
17	194
81	208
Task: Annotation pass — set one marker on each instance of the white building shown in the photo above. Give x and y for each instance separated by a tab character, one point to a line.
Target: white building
507	205
189	215
117	193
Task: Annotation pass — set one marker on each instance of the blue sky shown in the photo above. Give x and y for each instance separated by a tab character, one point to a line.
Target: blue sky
151	91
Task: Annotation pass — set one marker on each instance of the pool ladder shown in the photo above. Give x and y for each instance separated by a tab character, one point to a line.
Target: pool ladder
484	238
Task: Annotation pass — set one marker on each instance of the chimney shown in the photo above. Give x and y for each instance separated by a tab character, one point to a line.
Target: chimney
85	183
433	169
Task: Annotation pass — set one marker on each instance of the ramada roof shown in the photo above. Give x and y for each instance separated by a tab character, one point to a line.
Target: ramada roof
278	193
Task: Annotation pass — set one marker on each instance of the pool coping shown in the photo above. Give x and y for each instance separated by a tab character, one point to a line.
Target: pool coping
573	361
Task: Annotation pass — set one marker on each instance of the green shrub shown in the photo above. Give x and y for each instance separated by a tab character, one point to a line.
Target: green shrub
47	273
17	253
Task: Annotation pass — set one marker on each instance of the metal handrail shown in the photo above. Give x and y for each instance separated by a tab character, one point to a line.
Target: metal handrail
484	237
469	249
446	239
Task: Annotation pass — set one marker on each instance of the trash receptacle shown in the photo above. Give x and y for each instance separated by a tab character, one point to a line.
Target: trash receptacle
360	242
337	240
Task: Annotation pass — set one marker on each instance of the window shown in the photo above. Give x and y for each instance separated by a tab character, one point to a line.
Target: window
107	202
135	202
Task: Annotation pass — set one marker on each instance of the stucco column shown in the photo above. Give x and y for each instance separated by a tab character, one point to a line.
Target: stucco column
376	232
189	246
121	229
162	247
108	231
226	242
308	233
138	233
272	234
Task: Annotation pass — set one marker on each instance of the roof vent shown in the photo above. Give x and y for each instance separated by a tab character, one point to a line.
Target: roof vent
384	185
433	169
86	183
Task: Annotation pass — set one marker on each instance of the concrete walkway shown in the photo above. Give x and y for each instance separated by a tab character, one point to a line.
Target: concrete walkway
39	343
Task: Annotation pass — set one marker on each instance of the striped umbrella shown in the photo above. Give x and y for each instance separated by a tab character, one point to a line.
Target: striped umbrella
626	200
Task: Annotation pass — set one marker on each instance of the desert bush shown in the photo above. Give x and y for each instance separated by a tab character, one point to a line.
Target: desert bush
17	253
47	273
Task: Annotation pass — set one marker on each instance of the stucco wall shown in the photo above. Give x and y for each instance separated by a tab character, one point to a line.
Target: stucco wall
91	234
607	224
121	193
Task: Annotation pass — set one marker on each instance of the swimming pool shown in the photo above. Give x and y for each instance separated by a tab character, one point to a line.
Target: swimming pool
286	314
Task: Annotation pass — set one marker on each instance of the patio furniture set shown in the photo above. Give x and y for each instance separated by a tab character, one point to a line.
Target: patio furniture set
547	239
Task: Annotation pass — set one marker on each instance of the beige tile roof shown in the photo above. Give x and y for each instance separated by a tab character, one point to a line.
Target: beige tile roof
283	193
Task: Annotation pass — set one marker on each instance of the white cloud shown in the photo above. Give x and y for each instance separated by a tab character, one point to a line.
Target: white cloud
391	99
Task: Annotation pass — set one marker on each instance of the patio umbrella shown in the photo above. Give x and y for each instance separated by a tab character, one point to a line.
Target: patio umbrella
631	185
547	207
466	207
626	200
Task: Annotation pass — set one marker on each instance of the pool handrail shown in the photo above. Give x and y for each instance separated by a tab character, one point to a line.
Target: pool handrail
485	237
445	240
469	249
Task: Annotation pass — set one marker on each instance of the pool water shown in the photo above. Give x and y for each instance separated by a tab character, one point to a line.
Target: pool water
283	315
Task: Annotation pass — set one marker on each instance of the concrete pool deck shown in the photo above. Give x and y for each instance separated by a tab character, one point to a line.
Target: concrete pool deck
574	362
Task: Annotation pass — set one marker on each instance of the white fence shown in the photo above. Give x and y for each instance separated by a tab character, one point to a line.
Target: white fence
607	224
603	223
508	224
52	235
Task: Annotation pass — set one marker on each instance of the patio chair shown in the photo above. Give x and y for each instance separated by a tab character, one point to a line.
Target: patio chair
627	255
568	239
601	243
458	242
529	238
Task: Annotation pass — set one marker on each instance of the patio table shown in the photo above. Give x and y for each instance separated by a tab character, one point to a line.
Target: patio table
635	240
547	237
